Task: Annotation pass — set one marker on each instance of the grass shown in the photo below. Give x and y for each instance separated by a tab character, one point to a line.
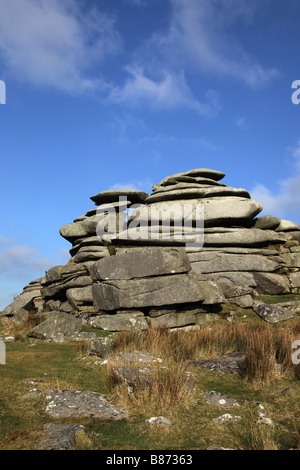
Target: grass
269	378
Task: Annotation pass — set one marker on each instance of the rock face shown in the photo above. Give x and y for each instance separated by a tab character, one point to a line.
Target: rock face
165	259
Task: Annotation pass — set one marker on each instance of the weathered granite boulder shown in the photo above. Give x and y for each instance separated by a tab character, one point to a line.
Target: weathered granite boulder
272	313
213	262
218	399
159	421
21	304
135	196
56	323
125	358
287	226
215	209
267	222
198	172
150	261
230	363
61	436
80	295
173	257
155	291
119	322
98	348
73	403
183	191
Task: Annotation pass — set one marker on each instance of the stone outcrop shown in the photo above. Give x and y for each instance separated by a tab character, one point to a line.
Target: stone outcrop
169	258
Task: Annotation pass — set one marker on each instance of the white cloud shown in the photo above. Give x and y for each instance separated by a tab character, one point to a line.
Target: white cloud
200	37
169	91
136	3
142	185
54	43
286	201
22	260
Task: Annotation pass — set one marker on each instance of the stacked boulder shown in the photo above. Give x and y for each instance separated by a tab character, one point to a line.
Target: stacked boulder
172	257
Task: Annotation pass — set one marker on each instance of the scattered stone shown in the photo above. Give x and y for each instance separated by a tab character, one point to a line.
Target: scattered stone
33	393
272	313
159	421
229	363
218	448
61	436
72	403
266	421
218	399
226	417
58	338
98	348
8	339
81	336
132	376
133	357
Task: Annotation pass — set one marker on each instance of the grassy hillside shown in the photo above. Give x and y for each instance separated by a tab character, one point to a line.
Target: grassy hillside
269	378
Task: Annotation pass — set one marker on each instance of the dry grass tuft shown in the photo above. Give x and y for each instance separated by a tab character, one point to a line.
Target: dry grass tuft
268	348
161	390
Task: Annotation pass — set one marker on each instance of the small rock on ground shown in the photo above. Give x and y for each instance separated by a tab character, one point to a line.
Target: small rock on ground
74	403
61	436
159	421
218	399
225	418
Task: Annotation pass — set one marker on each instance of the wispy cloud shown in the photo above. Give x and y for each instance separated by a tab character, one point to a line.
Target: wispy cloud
55	43
200	36
21	260
136	3
142	185
168	91
286	201
175	140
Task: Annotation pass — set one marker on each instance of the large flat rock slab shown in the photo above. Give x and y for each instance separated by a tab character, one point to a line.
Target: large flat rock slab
133	195
151	261
155	291
197	172
273	313
119	322
61	436
230	363
215	210
73	403
171	193
213	262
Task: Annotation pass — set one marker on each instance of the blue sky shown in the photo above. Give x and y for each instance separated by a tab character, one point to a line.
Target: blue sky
121	93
